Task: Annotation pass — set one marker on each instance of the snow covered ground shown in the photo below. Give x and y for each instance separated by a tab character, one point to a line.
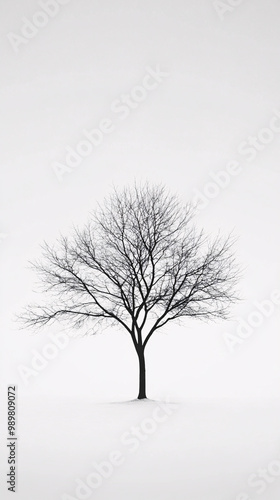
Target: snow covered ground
192	450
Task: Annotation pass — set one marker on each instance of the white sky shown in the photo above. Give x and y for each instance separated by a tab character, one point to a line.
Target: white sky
223	87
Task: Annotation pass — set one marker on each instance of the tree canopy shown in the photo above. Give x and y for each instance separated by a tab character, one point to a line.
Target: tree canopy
138	263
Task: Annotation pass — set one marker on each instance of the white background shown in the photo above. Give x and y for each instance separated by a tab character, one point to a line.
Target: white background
223	86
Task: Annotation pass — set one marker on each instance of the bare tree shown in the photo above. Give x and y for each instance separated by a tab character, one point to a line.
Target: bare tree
139	263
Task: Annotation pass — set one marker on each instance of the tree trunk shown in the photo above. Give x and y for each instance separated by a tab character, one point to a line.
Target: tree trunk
142	374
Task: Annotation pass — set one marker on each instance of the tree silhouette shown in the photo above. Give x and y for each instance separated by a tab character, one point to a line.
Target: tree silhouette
138	263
